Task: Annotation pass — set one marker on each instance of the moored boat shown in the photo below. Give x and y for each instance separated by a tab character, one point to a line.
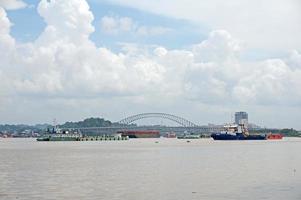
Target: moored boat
276	136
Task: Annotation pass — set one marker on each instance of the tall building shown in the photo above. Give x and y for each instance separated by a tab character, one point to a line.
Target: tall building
241	118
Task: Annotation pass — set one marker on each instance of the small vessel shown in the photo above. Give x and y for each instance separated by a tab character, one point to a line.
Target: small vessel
276	136
170	135
189	136
236	132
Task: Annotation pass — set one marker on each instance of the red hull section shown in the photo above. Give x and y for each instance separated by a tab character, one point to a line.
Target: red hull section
140	134
274	136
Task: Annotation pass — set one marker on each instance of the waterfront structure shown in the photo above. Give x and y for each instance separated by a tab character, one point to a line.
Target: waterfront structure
241	118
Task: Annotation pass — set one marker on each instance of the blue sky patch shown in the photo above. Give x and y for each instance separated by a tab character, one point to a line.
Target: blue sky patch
28	25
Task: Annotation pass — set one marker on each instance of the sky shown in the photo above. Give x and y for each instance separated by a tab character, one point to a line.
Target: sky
201	60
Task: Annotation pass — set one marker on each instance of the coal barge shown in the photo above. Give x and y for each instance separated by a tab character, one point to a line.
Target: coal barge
140	134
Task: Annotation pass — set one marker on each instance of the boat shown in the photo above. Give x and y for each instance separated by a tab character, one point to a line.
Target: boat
189	136
276	136
140	134
170	135
58	135
236	132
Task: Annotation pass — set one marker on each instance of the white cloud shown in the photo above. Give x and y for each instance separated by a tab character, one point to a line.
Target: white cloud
7	43
269	24
270	82
5	23
118	25
12	4
72	19
294	60
160	51
115	25
152	30
220	46
63	63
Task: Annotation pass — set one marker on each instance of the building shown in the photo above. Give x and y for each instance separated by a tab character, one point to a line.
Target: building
241	118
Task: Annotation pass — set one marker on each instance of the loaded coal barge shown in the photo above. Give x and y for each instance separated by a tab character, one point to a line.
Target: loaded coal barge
140	134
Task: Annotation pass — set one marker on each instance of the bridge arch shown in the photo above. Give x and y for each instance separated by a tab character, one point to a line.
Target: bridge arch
179	120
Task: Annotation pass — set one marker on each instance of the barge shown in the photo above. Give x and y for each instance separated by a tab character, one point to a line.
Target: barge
140	134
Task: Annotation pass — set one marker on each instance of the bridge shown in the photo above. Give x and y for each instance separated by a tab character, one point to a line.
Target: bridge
126	123
179	120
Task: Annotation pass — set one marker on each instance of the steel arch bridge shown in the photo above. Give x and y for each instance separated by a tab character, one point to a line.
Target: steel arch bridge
179	120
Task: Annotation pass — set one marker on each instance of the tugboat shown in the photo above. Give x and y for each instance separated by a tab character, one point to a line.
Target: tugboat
236	132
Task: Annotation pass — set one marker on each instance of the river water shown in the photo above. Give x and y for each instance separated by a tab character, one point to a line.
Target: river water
167	169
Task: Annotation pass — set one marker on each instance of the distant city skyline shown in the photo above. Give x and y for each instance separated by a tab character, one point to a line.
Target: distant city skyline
203	61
